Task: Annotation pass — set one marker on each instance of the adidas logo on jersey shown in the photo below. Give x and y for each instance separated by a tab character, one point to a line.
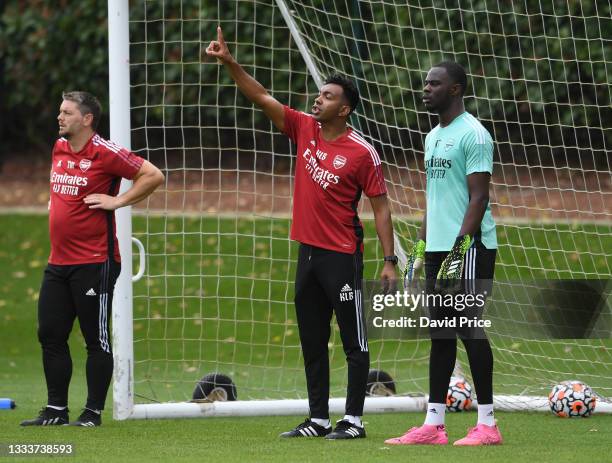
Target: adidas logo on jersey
91	292
346	293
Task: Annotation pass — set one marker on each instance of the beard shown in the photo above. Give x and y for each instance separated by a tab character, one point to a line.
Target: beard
64	132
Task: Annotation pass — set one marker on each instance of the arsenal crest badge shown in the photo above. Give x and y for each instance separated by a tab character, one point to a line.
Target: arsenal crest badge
339	162
85	164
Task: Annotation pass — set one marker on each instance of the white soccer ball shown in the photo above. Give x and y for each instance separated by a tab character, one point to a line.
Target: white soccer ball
572	398
459	396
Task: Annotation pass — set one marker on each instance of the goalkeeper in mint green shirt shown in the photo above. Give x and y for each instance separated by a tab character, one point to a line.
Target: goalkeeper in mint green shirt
457	245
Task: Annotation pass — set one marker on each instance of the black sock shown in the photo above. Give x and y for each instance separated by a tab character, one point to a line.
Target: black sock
441	363
480	357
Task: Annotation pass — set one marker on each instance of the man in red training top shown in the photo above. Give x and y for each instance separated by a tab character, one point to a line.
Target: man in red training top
84	263
334	166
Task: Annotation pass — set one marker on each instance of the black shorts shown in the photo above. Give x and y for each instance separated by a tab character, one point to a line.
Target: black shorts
477	284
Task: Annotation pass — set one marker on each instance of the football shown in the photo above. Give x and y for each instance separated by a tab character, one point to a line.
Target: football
215	386
380	383
459	396
572	398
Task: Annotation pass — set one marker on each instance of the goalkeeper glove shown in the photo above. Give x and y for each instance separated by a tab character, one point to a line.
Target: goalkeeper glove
415	262
448	280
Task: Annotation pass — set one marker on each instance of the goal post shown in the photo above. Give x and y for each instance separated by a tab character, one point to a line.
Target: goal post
119	111
217	293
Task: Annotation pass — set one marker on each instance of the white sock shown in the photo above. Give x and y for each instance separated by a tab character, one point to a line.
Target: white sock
95	411
486	415
356	420
321	422
55	407
435	414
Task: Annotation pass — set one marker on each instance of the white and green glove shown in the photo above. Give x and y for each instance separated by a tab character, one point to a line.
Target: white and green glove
449	276
415	262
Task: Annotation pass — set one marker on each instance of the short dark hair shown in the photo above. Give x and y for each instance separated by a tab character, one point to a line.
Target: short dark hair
87	104
348	87
456	73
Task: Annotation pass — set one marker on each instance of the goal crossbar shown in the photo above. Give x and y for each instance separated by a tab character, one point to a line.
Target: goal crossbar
398	404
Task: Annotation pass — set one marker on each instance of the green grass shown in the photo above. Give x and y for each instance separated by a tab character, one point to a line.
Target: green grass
528	437
218	297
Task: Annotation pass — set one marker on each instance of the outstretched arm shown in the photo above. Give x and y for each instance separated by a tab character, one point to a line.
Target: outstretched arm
252	89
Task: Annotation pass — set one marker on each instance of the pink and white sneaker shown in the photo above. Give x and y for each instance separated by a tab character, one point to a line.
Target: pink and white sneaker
425	435
481	434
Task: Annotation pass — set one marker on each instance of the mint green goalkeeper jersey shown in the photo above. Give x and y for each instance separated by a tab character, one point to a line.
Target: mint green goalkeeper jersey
451	154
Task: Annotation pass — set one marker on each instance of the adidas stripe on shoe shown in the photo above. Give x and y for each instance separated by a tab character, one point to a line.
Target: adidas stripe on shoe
48	417
346	430
307	429
88	419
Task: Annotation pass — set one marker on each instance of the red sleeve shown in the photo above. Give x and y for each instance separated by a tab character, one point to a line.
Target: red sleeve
54	148
370	175
294	121
121	162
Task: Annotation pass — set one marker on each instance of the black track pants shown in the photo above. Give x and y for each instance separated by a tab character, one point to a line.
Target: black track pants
84	292
330	282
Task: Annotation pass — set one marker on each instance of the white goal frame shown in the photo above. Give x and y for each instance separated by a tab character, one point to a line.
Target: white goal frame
122	326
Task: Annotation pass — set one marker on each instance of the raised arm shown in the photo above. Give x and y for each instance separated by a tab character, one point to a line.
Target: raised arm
249	87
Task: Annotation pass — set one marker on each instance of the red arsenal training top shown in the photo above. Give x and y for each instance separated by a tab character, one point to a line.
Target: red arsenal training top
80	235
329	179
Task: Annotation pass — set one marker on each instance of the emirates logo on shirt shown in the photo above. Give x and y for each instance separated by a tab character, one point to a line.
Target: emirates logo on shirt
320	175
85	164
339	162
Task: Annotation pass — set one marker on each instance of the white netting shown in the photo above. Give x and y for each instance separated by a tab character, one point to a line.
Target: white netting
218	293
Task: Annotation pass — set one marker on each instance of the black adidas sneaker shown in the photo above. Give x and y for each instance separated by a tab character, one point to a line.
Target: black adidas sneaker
346	430
48	417
307	429
88	419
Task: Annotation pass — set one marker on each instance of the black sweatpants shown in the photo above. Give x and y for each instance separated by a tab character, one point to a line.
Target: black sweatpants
84	292
327	282
478	270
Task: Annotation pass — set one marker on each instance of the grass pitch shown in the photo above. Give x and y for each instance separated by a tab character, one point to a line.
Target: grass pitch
216	297
528	437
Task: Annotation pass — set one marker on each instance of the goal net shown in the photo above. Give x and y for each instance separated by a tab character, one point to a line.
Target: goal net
217	291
